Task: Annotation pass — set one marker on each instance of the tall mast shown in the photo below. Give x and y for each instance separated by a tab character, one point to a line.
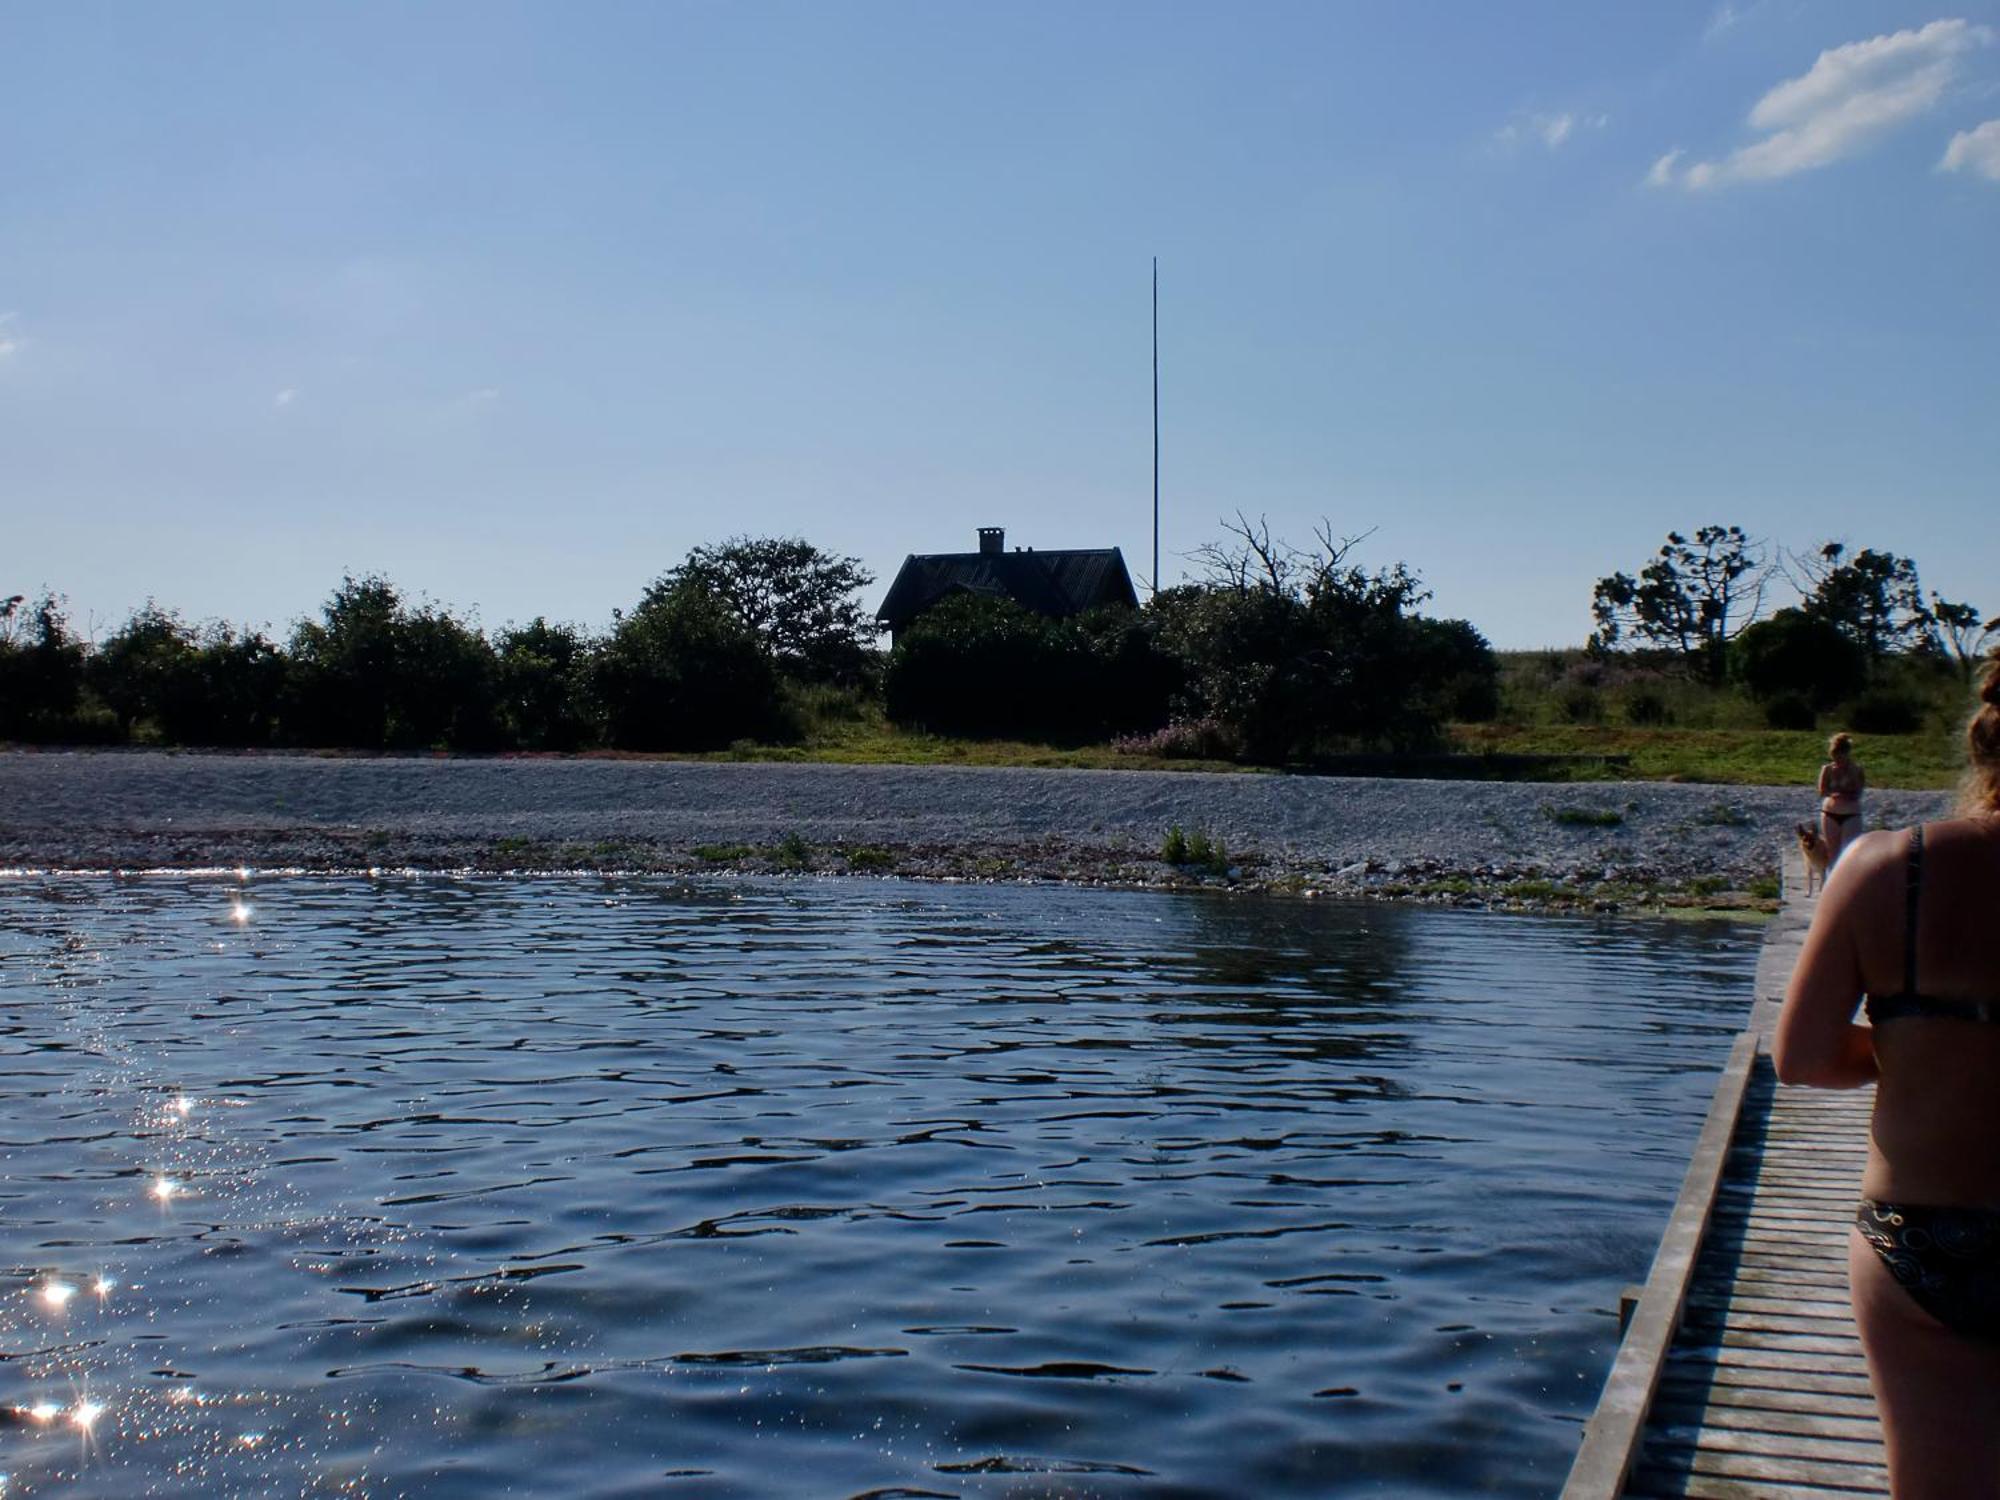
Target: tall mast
1156	425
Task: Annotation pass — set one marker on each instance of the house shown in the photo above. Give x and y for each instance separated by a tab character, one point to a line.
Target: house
1057	583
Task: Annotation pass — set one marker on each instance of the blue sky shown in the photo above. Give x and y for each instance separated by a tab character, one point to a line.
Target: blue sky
516	303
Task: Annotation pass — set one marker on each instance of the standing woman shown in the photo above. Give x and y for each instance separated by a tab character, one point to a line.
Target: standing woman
1841	782
1908	921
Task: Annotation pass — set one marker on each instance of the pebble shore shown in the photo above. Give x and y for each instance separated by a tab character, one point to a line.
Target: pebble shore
1599	845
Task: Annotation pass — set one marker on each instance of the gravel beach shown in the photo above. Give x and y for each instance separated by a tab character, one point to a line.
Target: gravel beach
1463	840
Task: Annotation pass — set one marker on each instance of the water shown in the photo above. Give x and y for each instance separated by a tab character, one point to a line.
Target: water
441	1187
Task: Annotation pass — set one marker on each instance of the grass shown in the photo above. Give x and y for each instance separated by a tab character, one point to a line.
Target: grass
1194	851
1705	734
1739	757
1584	817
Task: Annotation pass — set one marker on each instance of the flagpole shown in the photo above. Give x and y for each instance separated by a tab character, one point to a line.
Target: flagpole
1156	425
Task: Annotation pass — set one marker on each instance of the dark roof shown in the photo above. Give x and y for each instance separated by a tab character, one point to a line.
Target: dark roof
1049	583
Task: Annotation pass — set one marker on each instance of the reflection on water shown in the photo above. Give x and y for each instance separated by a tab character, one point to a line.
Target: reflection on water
634	1187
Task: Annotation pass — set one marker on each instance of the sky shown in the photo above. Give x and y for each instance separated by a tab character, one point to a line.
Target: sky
516	303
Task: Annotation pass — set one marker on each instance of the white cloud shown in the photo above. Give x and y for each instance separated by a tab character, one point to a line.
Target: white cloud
1729	15
286	397
1551	129
1663	170
1725	18
1975	150
1849	97
9	340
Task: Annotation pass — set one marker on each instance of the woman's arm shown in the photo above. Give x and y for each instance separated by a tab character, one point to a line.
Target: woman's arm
1817	1041
1825	775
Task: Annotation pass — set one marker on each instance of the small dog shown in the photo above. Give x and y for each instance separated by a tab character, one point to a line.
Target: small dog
1813	848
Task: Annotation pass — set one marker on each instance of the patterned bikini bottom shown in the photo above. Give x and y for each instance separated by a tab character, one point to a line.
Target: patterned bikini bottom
1947	1259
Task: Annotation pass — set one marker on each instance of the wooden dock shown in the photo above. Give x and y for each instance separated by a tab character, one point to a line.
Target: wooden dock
1740	1376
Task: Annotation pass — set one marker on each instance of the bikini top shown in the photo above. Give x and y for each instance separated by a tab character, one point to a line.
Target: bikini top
1910	1001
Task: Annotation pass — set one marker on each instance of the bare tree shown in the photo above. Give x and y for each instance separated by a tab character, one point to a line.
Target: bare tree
1252	559
1693	598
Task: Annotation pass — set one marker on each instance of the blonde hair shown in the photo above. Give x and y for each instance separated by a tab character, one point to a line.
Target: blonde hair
1841	744
1982	743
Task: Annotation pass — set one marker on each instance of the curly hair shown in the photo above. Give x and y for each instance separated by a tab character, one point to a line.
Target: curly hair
1982	743
1839	745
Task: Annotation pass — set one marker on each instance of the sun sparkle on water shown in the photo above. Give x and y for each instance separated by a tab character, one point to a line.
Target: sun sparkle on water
56	1294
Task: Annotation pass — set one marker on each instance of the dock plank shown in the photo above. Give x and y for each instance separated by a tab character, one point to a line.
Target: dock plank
1760	1390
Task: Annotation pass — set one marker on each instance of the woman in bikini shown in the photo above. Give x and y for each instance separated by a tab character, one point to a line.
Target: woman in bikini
1907	921
1841	782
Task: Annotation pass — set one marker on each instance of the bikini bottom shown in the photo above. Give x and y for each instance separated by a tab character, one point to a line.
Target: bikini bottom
1947	1259
1841	817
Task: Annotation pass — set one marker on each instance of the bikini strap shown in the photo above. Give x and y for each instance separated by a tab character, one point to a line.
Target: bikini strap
1913	887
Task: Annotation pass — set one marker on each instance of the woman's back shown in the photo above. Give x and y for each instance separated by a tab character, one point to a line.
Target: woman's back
1936	1135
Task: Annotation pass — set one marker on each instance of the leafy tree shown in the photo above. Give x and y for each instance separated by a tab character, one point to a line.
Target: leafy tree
372	672
1248	659
682	672
1959	633
544	686
1298	649
344	667
228	692
41	667
797	600
140	668
444	689
1455	669
1693	598
1796	654
1873	598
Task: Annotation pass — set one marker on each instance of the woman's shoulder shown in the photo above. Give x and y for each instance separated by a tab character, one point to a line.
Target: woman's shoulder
1870	858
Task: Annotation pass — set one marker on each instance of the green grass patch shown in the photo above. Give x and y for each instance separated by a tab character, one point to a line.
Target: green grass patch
1584	817
1194	851
1742	757
721	854
869	858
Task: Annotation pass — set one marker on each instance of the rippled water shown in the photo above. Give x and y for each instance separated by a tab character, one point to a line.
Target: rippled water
635	1187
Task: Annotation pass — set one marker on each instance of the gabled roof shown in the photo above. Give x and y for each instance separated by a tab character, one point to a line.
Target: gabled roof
1049	583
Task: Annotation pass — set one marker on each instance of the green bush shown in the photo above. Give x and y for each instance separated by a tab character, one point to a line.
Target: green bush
1579	704
680	672
41	669
1645	708
1790	711
1884	713
977	665
543	684
1794	653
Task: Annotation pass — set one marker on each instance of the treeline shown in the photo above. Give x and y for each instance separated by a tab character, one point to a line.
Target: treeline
1278	653
1863	634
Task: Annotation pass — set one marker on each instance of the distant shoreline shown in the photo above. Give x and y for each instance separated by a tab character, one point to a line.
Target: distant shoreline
1591	846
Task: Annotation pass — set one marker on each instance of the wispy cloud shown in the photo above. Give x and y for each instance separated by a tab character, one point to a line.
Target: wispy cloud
482	395
1976	150
286	397
1727	16
1850	97
9	340
1550	130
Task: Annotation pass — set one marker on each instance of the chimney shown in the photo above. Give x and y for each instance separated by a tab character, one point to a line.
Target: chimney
992	539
